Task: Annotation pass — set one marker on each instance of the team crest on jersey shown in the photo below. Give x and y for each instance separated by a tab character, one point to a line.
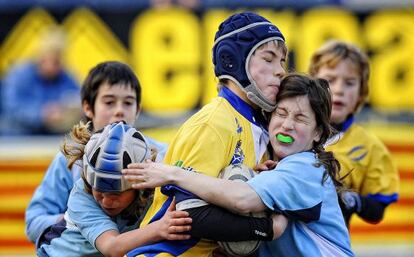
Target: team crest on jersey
238	156
180	164
239	128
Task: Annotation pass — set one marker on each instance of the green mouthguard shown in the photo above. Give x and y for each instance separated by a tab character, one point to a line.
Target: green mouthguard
284	139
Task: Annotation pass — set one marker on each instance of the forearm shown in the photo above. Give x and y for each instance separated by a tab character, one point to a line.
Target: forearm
113	244
233	195
215	223
236	196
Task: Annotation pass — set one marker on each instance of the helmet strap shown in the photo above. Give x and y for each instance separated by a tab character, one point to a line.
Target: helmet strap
254	95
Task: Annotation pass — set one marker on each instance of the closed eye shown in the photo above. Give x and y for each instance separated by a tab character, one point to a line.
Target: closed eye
302	119
281	112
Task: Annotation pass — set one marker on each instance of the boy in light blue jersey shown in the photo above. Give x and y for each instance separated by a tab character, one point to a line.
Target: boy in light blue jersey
103	211
111	92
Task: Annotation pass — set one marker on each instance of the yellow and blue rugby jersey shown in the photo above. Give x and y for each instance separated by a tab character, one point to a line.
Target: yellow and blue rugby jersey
371	170
224	132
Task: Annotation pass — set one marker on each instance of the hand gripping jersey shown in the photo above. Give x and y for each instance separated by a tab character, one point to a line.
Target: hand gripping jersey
223	132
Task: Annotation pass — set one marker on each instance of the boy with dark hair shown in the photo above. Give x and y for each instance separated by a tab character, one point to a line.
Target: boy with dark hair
111	92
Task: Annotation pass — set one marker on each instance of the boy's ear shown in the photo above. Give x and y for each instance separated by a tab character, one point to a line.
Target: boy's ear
138	112
87	109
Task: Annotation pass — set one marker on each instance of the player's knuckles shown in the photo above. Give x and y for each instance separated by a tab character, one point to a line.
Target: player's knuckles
183	213
185	221
172	230
179	221
132	166
179	229
178	237
180	214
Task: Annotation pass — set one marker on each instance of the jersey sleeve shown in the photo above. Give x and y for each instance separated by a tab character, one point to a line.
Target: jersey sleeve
293	188
382	179
50	198
86	215
196	148
200	147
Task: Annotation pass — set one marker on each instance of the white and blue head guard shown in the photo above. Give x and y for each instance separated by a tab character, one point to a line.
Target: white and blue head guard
108	152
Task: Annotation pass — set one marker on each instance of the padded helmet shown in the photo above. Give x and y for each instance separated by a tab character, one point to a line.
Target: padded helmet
236	40
108	152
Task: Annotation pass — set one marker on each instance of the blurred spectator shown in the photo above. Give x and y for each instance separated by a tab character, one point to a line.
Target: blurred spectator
40	97
2	121
190	4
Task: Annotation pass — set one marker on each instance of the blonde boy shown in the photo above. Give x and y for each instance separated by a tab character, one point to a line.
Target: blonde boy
373	177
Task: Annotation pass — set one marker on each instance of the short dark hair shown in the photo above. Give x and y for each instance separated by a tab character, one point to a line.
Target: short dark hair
112	72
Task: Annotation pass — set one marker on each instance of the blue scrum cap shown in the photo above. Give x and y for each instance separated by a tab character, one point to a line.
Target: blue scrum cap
108	152
235	41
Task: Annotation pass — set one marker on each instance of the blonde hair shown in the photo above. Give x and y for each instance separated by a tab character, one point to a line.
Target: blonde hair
334	51
73	146
277	43
52	40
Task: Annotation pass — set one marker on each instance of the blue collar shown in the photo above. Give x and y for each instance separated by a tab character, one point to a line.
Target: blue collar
345	125
247	111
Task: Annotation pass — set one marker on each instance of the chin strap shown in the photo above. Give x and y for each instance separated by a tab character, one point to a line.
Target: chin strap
254	95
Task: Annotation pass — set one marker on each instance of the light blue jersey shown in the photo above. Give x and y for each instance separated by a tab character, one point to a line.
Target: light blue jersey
84	222
50	199
316	226
160	146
